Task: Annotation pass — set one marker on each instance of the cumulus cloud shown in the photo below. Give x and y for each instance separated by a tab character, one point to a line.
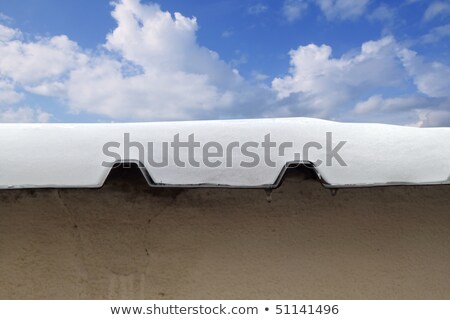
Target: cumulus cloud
9	112
323	83
343	9
432	118
431	79
23	114
8	94
45	59
7	34
101	88
293	9
175	76
377	103
152	67
323	86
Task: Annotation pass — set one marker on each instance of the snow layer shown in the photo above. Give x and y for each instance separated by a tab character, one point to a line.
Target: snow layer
71	155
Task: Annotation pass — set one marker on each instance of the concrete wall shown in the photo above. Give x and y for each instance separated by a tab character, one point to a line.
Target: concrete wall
129	241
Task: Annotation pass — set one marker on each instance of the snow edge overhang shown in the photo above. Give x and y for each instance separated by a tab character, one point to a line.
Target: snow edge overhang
341	154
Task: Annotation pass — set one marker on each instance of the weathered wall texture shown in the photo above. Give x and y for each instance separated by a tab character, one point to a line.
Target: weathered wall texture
129	241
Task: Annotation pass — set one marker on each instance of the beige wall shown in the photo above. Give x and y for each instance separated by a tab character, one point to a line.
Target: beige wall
129	241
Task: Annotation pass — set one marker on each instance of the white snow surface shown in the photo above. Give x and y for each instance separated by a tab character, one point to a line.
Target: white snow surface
71	155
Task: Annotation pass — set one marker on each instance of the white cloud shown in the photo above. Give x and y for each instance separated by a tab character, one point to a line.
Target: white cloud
432	118
23	114
431	79
257	9
293	9
435	9
383	13
377	103
5	18
10	112
343	9
179	78
324	84
259	76
101	88
8	94
23	63
33	62
7	33
332	9
227	34
152	67
437	33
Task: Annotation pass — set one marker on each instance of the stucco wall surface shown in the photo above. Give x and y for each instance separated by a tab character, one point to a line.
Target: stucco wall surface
128	241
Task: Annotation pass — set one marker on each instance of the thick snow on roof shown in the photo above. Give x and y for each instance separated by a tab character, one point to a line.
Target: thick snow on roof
238	153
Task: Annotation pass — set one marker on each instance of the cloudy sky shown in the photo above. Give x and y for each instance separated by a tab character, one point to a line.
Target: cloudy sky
131	60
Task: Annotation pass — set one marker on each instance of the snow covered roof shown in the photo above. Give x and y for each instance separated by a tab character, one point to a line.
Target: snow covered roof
234	153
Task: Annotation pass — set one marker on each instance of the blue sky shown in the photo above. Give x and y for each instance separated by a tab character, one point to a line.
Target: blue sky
344	60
